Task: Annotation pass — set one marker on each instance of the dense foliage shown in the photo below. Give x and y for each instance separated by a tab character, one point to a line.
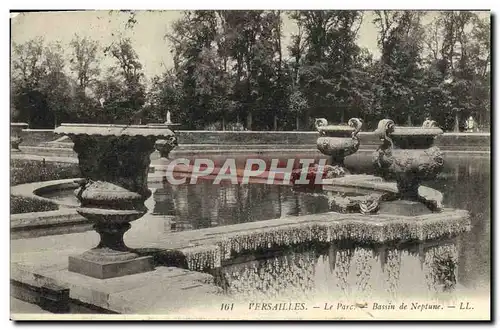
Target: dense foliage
237	69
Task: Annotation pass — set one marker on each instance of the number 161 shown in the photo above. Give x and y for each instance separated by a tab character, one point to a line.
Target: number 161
227	307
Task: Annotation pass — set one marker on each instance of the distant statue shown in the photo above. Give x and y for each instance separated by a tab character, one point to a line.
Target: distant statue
169	121
470	125
101	101
428	123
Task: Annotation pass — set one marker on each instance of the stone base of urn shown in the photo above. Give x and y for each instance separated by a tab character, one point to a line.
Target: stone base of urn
106	269
404	208
111	258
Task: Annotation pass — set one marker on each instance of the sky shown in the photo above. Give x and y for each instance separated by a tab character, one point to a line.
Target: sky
147	35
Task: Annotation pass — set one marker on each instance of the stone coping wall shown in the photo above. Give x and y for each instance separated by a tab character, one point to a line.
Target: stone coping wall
209	248
193	140
56	222
308	138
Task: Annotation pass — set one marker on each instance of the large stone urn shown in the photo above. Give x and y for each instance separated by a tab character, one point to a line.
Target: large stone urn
338	141
15	135
407	155
114	162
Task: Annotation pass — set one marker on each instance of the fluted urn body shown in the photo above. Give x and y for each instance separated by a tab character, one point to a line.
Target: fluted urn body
114	162
407	155
338	141
15	135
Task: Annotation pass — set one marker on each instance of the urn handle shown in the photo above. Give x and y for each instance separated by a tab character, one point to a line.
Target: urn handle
385	128
429	124
357	123
320	122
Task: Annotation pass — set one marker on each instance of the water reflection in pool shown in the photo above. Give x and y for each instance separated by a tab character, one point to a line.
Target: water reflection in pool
207	205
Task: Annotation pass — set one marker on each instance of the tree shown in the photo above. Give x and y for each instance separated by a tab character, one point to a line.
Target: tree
164	95
297	102
329	63
56	84
398	74
84	65
252	43
84	61
126	94
480	57
230	67
464	65
40	88
192	38
27	74
27	61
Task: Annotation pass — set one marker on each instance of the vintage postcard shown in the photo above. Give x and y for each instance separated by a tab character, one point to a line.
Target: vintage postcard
250	165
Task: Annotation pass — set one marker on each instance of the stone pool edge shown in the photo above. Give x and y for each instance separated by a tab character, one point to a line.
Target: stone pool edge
210	247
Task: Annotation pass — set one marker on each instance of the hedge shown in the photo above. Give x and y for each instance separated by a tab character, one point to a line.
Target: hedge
26	171
25	205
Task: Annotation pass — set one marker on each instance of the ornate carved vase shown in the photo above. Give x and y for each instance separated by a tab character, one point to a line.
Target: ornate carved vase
15	135
407	155
114	162
338	141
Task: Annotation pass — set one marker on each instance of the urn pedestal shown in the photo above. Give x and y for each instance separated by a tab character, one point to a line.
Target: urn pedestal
114	162
338	141
407	155
15	135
